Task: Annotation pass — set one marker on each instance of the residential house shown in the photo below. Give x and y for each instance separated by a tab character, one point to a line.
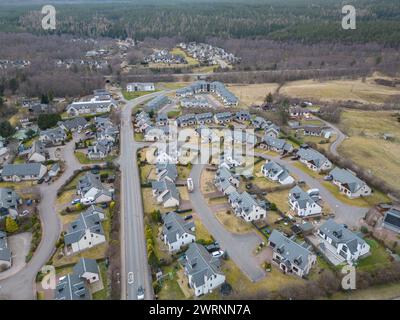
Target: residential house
74	124
391	220
160	133
9	202
72	287
38	152
349	184
24	171
161	119
84	233
242	115
101	103
226	181
247	207
297	112
207	135
140	87
165	193
177	232
195	102
5	252
90	187
259	122
202	269
54	170
166	171
290	256
240	137
156	103
278	145
185	120
271	131
204	118
302	203
88	270
313	131
99	150
275	172
223	117
314	160
344	242
54	136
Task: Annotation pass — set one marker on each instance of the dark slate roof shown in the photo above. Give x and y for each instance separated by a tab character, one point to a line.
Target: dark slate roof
5	252
290	251
23	169
86	220
8	198
392	217
74	123
340	234
72	287
313	156
298	195
175	225
348	179
200	264
86	265
167	170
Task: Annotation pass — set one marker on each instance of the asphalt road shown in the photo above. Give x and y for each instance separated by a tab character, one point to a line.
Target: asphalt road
239	247
340	137
344	213
21	286
135	269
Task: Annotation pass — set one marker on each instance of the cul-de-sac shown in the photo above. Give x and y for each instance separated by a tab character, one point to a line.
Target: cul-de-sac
147	161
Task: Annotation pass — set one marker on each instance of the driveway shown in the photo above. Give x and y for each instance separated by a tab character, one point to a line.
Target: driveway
21	286
239	247
344	213
19	245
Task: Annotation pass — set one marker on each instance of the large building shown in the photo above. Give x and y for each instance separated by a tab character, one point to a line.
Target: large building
140	86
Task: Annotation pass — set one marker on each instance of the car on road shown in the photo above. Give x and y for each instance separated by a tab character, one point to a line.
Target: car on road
140	293
40	181
217	254
24	213
75	201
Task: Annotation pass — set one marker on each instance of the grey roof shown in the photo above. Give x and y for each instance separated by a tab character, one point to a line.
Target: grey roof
54	133
38	147
290	251
279	144
74	123
392	218
275	168
8	198
72	287
55	167
161	117
190	117
245	201
223	115
91	105
200	264
348	179
156	103
165	185
23	169
86	265
224	173
167	170
340	234
298	195
86	220
88	181
5	252
240	136
313	156
175	226
203	116
242	114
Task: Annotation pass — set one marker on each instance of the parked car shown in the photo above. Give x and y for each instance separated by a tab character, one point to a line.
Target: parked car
24	213
140	293
75	201
328	178
87	201
217	254
188	217
40	181
104	205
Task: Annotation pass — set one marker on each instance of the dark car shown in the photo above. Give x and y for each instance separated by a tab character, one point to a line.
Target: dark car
188	217
40	181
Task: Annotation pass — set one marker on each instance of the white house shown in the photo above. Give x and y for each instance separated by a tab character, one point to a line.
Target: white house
349	184
343	241
87	269
302	203
202	269
90	187
177	232
246	206
314	160
165	193
84	233
140	86
275	172
290	256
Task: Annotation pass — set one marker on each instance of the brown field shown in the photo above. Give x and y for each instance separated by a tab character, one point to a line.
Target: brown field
340	90
252	94
367	148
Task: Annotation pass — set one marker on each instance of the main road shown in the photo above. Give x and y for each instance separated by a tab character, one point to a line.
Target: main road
135	269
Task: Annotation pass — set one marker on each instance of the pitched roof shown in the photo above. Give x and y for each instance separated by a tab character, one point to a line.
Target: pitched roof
86	265
86	221
296	194
5	252
175	226
8	198
348	179
290	250
392	217
23	169
340	234
74	123
313	156
200	264
72	287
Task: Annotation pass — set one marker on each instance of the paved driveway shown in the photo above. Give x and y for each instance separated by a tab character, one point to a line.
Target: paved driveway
240	247
344	213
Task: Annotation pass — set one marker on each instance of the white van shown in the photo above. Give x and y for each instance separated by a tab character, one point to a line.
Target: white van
86	201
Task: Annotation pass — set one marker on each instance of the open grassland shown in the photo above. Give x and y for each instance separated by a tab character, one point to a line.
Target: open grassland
254	93
340	90
366	146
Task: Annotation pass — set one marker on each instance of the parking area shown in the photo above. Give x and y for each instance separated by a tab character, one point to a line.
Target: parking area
19	244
